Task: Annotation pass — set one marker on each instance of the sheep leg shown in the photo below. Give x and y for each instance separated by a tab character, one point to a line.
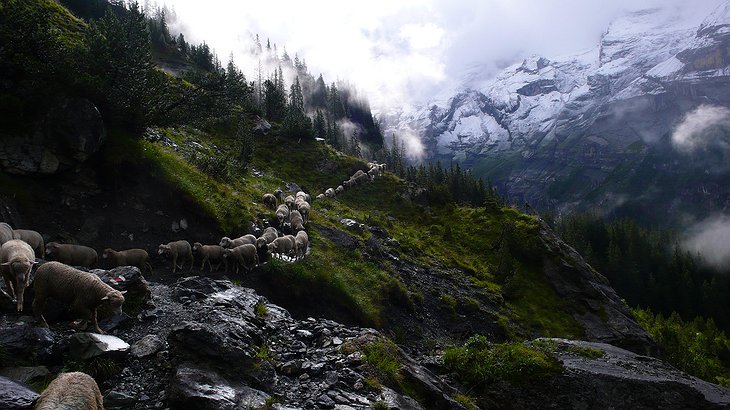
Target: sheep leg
10	287
174	263
148	267
95	323
38	304
202	264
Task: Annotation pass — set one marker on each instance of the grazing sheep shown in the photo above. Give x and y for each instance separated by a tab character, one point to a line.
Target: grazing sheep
32	238
358	173
339	190
361	179
177	249
349	183
269	200
279	195
305	196
245	255
282	214
297	222
6	233
130	257
227	242
289	201
210	253
304	209
301	242
284	245
329	193
71	391
268	236
16	261
83	292
320	196
374	172
74	255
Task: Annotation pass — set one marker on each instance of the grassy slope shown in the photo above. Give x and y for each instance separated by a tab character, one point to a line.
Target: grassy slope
454	237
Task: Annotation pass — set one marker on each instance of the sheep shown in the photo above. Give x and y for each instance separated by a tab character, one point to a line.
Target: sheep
361	179
329	193
210	253
130	257
279	195
245	255
16	261
297	221
339	190
305	196
358	173
374	172
32	238
282	214
283	245
289	201
74	255
349	183
320	196
83	292
6	232
304	209
301	242
268	236
177	249
371	165
269	200
72	391
227	242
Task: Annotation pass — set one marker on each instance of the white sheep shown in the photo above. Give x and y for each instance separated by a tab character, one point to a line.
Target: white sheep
289	201
329	193
175	250
339	190
282	214
297	221
244	255
32	238
227	242
304	209
284	245
320	196
71	391
16	261
6	232
301	242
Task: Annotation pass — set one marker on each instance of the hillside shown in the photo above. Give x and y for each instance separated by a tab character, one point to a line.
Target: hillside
399	302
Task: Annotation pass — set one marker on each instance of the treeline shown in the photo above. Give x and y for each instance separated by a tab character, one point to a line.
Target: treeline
443	185
649	268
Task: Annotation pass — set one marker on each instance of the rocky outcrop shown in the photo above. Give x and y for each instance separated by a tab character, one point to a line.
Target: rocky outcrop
600	376
70	133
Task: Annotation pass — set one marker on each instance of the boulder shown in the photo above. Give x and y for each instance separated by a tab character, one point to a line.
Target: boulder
147	346
14	395
24	374
89	345
23	341
197	388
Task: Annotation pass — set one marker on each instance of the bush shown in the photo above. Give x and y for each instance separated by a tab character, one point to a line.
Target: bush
479	363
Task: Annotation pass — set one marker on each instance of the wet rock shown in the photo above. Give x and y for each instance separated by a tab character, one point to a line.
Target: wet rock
88	345
147	346
200	389
24	374
23	341
14	395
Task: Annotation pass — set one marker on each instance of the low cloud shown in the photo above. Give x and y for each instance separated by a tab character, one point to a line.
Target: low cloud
705	126
710	238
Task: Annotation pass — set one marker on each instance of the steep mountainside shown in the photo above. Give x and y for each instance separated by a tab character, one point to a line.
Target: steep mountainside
594	126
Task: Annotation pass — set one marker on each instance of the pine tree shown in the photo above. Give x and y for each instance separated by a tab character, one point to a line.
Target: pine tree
320	125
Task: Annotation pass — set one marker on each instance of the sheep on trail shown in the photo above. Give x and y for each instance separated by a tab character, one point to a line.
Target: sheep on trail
329	193
305	196
320	196
282	214
361	179
71	391
177	249
268	236
6	232
339	190
130	257
269	201
227	242
284	245
83	292
74	255
32	238
16	261
244	255
349	183
289	201
279	195
210	253
297	222
301	242
304	209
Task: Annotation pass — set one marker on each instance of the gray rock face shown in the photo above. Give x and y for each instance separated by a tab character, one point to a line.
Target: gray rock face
617	379
15	396
70	133
22	341
147	346
202	389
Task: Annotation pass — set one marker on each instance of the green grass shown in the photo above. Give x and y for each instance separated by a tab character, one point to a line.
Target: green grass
382	355
587	352
479	363
260	310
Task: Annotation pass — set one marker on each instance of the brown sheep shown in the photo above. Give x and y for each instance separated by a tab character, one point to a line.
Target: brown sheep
245	255
270	201
283	245
301	242
71	391
361	179
227	242
297	221
32	238
130	257
83	292
304	209
210	253
282	214
177	249
74	255
6	232
16	261
289	201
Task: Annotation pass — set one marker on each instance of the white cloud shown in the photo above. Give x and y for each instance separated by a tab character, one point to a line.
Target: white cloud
403	52
710	238
705	125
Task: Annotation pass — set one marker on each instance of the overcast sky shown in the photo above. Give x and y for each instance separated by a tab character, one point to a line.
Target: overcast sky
402	52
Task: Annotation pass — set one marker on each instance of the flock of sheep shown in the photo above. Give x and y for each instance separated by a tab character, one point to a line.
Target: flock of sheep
358	178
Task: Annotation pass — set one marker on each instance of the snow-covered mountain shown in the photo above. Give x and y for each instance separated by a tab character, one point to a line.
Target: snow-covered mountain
564	130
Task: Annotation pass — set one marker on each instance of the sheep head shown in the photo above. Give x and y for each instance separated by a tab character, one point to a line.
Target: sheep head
164	249
113	300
